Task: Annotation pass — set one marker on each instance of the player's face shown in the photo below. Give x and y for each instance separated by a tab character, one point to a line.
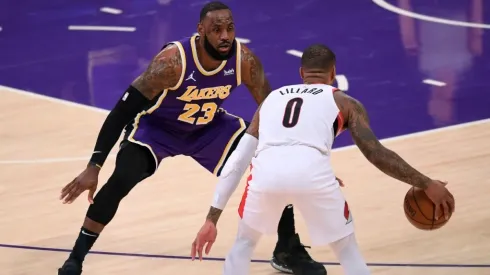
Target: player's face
219	31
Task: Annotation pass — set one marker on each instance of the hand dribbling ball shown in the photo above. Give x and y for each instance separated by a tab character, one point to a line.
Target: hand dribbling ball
420	210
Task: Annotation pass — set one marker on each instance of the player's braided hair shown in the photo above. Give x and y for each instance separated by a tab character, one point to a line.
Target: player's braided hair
212	6
318	56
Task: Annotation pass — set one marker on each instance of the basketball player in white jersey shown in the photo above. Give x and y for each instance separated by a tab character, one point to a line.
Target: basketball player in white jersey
289	151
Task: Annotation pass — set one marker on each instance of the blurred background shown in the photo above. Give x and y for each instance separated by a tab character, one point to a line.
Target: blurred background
411	74
416	65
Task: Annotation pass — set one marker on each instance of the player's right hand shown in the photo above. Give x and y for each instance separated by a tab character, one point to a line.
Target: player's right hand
87	180
441	197
205	237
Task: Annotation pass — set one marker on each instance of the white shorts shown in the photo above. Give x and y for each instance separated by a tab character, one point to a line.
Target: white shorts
270	189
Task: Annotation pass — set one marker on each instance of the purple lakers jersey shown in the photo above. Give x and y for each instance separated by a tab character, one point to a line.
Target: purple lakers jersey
196	99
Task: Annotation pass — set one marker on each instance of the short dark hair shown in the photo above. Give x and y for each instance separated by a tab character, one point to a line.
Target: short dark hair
318	56
212	6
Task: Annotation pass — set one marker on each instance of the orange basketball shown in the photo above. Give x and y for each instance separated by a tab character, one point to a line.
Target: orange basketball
420	211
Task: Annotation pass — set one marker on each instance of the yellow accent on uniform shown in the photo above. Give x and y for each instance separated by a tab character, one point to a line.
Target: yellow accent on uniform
193	93
238	63
233	138
198	64
158	103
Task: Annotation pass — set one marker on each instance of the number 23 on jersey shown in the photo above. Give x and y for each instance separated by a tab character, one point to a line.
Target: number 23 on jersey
191	109
206	110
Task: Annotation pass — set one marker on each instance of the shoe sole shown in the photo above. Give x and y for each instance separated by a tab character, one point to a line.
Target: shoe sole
61	272
280	268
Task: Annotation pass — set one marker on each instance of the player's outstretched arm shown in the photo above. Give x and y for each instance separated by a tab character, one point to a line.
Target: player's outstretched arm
389	162
234	168
253	75
163	72
230	176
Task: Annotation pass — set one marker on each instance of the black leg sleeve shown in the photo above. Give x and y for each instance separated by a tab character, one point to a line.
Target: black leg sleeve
134	163
286	228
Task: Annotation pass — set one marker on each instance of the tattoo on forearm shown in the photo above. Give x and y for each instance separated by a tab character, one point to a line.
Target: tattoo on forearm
384	159
214	214
256	81
162	73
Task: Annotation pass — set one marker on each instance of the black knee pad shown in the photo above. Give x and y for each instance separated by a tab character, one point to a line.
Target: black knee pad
133	164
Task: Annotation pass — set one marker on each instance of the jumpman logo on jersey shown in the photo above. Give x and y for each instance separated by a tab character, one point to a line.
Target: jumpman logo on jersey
191	76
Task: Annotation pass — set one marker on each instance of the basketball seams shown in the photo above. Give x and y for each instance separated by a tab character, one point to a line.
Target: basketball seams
417	222
420	220
434	216
420	209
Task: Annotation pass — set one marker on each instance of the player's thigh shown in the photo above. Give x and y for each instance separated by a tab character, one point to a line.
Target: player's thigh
261	210
157	142
222	138
134	162
327	215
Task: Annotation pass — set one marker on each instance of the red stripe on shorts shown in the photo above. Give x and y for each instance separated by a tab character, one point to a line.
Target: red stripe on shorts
241	207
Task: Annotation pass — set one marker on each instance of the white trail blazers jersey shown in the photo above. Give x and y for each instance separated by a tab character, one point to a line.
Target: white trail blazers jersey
304	114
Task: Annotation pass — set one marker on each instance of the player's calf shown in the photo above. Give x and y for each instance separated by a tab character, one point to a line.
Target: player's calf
349	256
132	166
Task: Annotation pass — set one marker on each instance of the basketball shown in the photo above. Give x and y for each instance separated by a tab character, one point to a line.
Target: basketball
420	211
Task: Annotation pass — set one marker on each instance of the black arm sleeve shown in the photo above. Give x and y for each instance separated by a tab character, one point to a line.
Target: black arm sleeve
126	109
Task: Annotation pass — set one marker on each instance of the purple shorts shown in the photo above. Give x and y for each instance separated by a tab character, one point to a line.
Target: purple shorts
209	146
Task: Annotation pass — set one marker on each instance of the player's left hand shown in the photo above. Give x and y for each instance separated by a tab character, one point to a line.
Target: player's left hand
340	182
205	236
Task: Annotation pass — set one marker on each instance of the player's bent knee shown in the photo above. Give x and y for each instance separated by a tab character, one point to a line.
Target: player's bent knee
132	166
134	163
119	185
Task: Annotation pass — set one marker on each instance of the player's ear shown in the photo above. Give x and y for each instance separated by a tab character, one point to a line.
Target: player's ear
333	73
301	73
200	29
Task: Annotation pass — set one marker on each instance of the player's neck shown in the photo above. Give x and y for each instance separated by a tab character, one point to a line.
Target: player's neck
314	81
207	62
316	78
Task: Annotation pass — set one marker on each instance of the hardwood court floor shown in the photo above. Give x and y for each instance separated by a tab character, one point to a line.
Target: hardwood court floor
45	144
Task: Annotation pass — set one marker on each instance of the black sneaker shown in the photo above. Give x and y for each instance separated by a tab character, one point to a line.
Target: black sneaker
279	262
70	267
296	260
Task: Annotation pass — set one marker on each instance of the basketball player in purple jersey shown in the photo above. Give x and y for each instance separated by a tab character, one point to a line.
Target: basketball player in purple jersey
173	108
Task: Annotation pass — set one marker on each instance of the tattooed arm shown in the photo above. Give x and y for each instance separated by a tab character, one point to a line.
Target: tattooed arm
163	72
253	75
214	214
357	121
234	169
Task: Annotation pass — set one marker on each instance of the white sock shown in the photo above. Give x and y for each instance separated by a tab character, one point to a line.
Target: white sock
349	256
237	261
